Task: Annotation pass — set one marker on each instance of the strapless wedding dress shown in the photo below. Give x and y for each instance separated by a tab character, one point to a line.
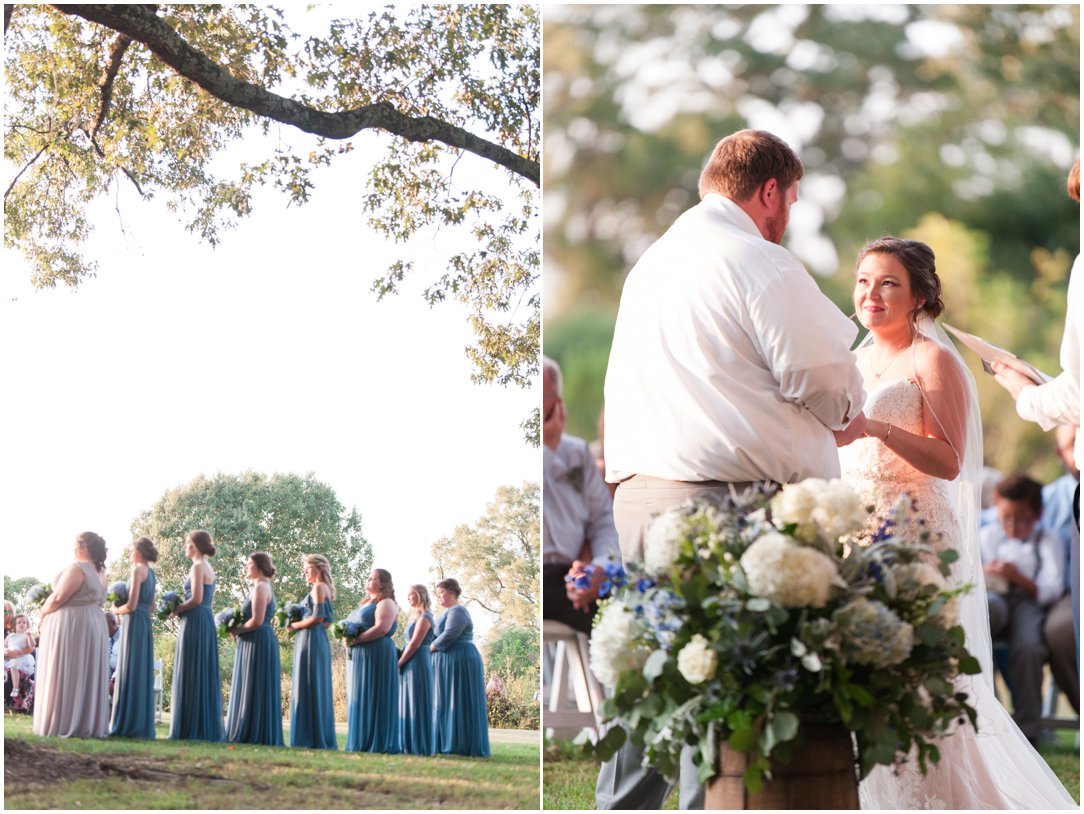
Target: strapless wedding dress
994	767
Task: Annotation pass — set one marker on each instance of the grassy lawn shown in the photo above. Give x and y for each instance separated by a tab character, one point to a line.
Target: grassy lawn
569	780
73	774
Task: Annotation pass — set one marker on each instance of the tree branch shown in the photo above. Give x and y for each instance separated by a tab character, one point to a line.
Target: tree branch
109	75
141	23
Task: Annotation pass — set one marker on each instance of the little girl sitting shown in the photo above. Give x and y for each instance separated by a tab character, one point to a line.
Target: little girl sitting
21	662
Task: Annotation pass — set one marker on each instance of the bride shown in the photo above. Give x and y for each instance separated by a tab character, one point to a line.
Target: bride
924	438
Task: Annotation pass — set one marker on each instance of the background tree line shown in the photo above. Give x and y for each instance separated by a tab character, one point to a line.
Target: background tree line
952	124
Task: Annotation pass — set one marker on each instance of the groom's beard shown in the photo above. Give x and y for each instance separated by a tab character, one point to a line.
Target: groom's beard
776	223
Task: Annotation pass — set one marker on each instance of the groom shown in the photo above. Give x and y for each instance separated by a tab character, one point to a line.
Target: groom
728	367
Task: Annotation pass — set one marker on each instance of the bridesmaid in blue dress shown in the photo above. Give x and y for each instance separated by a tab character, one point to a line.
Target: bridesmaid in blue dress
416	678
312	706
197	690
372	676
461	721
255	712
133	691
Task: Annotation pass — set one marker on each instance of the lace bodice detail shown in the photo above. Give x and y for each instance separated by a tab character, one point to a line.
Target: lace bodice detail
881	476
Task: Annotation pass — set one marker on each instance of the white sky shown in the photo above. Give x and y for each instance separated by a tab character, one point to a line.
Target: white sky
269	354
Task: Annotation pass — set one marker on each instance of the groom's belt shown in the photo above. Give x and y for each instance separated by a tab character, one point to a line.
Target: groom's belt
647	481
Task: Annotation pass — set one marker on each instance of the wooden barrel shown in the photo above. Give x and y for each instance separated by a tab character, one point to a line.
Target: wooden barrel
821	775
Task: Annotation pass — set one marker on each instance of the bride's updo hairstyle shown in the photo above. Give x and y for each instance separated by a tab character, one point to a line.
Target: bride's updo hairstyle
917	258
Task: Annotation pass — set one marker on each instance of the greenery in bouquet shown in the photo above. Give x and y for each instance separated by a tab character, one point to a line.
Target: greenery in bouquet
347	630
168	603
37	594
118	594
227	620
755	615
289	612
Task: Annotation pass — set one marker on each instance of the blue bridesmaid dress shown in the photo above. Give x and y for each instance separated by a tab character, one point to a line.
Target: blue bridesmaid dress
133	690
416	696
312	706
372	690
197	688
461	722
255	712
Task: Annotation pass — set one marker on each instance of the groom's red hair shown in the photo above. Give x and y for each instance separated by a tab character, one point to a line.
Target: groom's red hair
743	161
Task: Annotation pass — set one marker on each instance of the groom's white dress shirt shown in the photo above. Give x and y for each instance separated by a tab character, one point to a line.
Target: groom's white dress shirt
728	363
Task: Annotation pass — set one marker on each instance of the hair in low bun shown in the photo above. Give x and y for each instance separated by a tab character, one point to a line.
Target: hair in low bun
202	541
918	259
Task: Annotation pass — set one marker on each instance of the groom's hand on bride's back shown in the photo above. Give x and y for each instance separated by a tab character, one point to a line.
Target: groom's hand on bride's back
852	431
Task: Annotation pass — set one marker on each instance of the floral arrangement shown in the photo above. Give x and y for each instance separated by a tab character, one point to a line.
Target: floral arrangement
228	620
118	593
168	603
290	612
37	594
755	615
347	630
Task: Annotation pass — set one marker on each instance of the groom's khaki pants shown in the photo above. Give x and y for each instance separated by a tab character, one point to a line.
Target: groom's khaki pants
623	782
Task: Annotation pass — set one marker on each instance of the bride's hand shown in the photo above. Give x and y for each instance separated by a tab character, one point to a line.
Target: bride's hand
853	431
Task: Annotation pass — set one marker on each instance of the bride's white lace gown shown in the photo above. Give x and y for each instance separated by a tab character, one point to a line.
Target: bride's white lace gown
995	768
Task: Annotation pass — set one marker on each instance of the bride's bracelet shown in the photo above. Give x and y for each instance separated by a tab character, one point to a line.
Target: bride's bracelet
887	434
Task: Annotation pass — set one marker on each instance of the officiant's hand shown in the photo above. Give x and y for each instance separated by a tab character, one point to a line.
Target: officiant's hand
582	598
1012	380
852	431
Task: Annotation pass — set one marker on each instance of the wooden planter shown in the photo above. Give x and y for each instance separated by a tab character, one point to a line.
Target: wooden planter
821	775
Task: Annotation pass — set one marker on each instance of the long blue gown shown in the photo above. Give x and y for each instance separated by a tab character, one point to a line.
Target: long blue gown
312	706
461	721
255	712
372	690
133	690
197	688
416	696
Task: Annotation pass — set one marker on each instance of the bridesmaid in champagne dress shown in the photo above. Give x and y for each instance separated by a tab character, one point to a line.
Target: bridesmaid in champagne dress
197	690
372	678
255	712
462	725
72	677
416	678
312	706
133	690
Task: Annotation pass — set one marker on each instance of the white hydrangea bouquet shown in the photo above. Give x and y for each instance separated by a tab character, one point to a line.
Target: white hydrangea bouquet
755	615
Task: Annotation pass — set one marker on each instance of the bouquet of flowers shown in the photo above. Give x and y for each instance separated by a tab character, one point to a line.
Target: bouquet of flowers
37	594
228	620
745	624
118	594
347	630
290	612
168	603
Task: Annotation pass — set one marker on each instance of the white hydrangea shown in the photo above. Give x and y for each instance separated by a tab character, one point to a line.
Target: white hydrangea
793	575
925	574
697	661
663	542
824	510
612	648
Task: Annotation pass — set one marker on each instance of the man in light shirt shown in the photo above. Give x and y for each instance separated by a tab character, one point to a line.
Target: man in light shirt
1022	563
577	513
728	367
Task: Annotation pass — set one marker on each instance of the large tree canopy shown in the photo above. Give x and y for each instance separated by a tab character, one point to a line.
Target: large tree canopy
147	98
496	560
286	516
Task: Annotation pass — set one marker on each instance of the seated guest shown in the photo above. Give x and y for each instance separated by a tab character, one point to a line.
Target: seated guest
1058	519
19	653
1022	564
577	514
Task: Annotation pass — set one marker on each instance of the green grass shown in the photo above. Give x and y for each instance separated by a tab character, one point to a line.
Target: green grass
108	773
569	779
